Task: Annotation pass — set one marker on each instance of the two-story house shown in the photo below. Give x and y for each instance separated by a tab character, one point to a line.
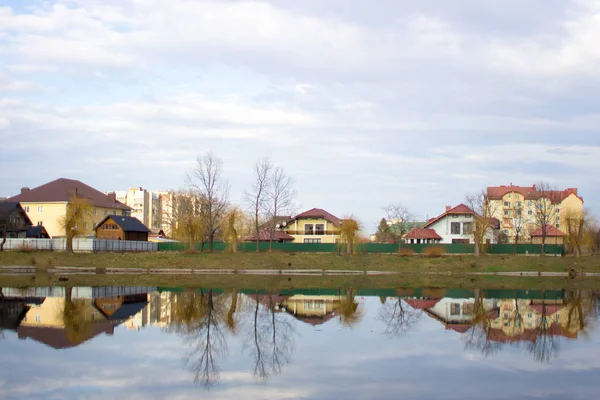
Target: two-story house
313	226
47	204
456	225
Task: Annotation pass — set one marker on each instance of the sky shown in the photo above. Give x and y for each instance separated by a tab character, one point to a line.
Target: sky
364	104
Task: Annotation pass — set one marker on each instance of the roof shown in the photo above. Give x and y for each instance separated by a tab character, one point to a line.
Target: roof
421	304
422	233
530	192
7	208
64	190
278	220
36	231
494	222
57	337
128	224
318	213
265	236
459	209
551	231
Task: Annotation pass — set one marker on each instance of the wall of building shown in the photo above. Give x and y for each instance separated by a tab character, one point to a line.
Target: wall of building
444	225
297	229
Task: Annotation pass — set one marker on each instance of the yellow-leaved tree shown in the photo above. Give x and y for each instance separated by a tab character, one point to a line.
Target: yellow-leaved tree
74	222
348	232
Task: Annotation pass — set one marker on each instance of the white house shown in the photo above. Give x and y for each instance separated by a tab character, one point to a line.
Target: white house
456	226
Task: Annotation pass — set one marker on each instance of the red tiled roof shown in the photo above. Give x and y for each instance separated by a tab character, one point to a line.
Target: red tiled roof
422	233
551	231
64	190
550	308
319	213
421	304
495	222
265	236
530	192
459	209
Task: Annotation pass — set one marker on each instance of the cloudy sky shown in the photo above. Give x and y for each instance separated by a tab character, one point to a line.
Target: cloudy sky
364	104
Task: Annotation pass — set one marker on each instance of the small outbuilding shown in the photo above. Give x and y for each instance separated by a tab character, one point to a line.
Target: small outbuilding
553	235
120	227
422	235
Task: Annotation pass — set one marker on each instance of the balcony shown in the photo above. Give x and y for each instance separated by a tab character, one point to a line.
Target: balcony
314	233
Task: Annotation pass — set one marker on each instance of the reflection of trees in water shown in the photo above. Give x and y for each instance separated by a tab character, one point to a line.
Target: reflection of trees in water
270	338
348	310
397	316
478	337
544	346
76	320
198	317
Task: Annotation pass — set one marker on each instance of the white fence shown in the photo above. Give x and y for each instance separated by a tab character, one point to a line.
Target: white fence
80	245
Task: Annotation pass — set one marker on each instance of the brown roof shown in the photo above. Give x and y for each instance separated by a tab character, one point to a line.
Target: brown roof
459	209
278	220
315	320
319	213
422	233
265	236
421	304
530	192
494	222
64	189
6	210
57	337
551	231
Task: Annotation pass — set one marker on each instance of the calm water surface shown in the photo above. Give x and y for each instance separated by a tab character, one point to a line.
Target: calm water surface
169	343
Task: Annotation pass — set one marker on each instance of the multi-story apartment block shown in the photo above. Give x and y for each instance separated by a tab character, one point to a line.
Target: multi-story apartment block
517	207
145	205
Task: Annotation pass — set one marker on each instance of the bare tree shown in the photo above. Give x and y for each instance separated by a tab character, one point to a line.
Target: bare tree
478	335
544	346
398	317
256	197
207	181
280	198
482	227
401	219
543	209
518	226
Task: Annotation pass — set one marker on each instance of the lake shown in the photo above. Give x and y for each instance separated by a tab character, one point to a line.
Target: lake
421	343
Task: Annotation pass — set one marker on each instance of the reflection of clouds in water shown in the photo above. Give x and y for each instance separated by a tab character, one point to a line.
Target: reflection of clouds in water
427	361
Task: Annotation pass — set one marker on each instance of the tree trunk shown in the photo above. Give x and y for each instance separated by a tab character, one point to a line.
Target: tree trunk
3	240
543	252
69	244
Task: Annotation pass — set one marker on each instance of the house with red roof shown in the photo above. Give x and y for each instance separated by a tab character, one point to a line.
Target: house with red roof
553	235
455	225
313	226
516	205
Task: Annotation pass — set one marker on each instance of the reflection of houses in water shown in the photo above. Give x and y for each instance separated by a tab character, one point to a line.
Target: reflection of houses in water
509	320
313	310
52	320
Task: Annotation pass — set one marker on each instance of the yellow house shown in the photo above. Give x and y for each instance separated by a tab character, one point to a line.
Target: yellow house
47	204
313	226
515	207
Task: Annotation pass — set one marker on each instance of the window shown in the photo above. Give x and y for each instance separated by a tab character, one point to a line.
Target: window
319	229
557	225
455	228
40	209
26	209
528	204
468	216
558	210
507	204
506	213
38	319
518	204
308	229
467	228
529	212
508	197
40	223
454	309
312	240
454	215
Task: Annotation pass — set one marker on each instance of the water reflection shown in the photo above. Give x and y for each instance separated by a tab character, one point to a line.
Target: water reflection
266	323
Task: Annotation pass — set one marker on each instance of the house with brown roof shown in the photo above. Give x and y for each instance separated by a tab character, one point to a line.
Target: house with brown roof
456	224
120	227
14	221
553	235
313	226
516	205
47	204
422	235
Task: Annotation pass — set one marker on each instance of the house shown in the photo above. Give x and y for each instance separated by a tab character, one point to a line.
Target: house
515	205
47	204
37	232
422	235
456	225
264	235
553	235
14	221
118	227
313	226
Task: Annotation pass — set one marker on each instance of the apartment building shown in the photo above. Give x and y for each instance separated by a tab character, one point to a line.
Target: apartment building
516	207
145	205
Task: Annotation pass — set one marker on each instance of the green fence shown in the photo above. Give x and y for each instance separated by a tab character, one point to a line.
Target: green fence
455	248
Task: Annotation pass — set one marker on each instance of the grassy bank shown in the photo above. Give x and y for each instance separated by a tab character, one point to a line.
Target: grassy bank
277	261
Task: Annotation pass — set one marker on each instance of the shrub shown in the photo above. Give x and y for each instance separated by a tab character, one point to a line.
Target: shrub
434	252
406	252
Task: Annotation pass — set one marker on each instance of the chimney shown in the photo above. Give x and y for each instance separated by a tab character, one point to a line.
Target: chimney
448	208
24	190
112	196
